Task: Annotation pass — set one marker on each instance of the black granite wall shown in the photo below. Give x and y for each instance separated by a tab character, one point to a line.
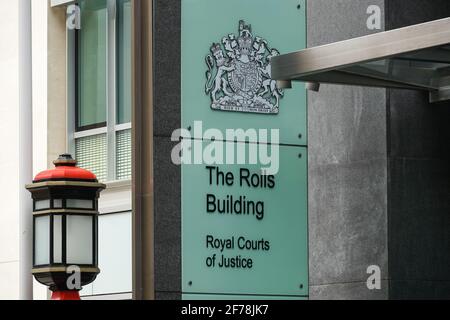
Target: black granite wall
167	118
419	176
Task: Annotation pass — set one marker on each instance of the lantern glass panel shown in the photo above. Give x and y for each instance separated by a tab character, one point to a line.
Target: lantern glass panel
42	241
42	204
57	239
57	203
79	239
80	204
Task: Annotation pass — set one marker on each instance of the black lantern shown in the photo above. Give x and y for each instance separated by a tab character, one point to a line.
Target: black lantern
65	227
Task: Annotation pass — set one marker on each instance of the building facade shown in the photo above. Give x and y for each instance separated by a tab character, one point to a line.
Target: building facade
110	93
99	133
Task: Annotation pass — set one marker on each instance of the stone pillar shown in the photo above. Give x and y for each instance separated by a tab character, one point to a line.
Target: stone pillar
348	218
167	118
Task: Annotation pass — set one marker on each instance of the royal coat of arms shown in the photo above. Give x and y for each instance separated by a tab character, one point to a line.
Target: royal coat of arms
239	74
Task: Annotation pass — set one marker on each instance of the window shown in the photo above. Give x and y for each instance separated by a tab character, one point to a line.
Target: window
102	112
124	62
92	60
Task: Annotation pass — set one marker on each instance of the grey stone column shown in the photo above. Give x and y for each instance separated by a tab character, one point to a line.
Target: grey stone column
348	217
379	172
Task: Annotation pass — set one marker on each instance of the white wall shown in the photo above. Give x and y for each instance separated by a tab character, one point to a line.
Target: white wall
40	132
9	131
115	229
9	154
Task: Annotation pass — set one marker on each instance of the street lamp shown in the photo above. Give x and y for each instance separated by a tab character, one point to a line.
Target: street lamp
65	228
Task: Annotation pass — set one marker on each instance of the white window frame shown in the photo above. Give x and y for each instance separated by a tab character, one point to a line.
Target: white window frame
112	128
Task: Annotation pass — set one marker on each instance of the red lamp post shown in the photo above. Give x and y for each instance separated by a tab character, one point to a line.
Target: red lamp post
65	228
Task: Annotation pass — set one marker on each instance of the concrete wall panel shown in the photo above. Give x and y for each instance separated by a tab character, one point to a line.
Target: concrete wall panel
348	167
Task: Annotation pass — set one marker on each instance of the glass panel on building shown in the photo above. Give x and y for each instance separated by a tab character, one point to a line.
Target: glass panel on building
123	156
91	154
92	65
124	61
114	254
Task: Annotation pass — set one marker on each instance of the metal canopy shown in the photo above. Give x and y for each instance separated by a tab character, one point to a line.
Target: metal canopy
414	57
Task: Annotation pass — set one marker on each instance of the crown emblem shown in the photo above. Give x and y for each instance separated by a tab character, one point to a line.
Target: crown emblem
245	39
217	52
215	48
239	75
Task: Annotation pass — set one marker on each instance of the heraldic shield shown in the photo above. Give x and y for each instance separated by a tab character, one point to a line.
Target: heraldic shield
239	74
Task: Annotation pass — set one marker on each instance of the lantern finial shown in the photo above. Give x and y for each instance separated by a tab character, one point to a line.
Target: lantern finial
65	160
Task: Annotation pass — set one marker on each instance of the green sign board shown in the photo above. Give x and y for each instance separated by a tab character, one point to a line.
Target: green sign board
244	227
245	233
274	26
